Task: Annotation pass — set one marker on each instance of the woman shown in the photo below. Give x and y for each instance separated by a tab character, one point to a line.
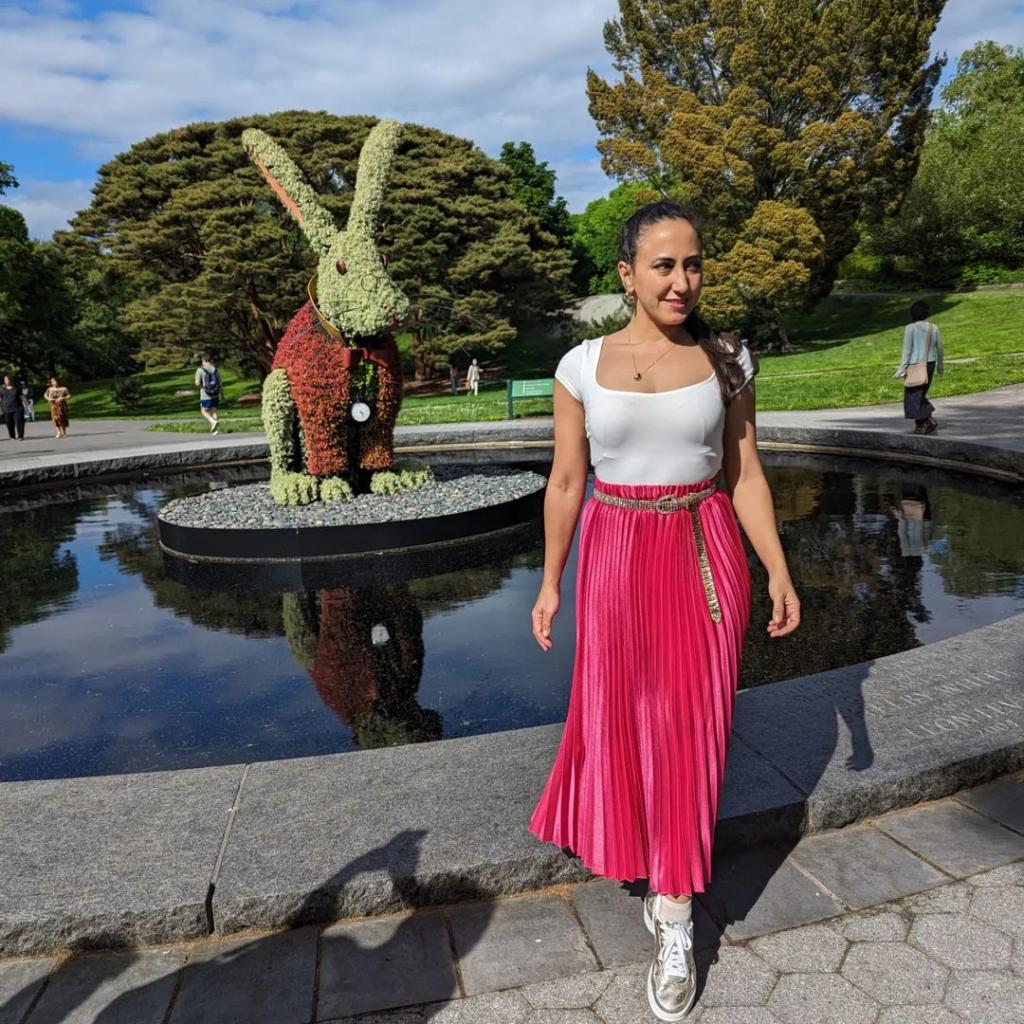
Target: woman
663	590
921	343
12	408
57	395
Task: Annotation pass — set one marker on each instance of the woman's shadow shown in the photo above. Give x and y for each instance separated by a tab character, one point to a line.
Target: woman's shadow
363	978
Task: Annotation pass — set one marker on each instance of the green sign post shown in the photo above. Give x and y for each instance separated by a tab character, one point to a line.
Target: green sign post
528	389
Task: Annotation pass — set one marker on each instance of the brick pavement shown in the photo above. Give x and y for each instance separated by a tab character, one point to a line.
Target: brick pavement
783	937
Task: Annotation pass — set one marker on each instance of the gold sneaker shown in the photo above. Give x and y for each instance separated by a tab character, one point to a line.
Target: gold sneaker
672	978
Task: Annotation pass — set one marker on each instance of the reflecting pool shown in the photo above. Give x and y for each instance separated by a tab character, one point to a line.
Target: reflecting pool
112	661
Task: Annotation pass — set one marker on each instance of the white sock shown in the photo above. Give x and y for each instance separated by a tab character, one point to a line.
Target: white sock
674	912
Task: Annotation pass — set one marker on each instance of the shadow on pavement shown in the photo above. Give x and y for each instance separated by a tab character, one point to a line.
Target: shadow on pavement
271	977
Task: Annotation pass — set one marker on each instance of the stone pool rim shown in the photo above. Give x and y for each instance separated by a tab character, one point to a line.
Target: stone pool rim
167	856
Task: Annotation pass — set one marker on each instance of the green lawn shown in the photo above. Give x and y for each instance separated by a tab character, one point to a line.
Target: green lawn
848	348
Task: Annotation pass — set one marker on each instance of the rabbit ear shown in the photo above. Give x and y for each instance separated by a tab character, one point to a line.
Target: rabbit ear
291	188
374	165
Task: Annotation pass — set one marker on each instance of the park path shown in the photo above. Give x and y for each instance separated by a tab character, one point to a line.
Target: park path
990	417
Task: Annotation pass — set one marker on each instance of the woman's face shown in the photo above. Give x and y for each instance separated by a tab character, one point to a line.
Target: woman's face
667	271
53	382
8	383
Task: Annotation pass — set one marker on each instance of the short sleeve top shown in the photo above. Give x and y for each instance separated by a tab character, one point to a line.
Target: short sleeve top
664	437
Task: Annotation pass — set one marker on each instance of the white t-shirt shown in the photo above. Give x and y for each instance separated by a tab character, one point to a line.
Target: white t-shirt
668	437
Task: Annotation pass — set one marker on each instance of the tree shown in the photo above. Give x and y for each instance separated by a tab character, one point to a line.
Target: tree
964	212
36	307
596	236
816	106
7	178
212	260
533	184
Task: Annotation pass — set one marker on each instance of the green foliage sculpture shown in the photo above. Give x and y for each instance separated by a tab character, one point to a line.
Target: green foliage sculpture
332	396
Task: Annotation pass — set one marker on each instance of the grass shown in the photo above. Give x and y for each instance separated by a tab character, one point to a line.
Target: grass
846	352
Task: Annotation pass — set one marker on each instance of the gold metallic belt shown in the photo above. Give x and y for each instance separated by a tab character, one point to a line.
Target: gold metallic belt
666	504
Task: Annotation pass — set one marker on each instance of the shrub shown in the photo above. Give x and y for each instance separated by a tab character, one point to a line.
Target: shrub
293	488
129	392
407	474
335	488
985	273
278	413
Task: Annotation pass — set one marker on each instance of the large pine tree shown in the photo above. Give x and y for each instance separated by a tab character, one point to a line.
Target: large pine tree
215	262
780	120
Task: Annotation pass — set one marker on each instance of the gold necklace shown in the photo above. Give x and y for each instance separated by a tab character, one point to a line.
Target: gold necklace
637	375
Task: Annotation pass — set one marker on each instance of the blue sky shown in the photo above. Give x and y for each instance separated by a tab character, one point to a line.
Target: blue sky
81	80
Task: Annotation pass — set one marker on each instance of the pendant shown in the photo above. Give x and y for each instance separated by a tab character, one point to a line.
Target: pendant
636	376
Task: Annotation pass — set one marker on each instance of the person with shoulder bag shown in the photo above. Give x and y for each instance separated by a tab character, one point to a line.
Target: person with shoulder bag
921	360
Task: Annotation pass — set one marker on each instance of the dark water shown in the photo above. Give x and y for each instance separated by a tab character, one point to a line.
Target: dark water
111	663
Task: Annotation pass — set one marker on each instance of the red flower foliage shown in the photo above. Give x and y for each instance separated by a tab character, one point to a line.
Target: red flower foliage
318	378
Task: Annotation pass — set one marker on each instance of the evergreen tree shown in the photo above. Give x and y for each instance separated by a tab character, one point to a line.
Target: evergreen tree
802	113
212	260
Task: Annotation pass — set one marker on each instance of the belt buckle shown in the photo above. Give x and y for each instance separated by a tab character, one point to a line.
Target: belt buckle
665	504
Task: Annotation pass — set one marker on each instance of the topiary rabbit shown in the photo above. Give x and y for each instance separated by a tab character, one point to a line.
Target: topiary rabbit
335	388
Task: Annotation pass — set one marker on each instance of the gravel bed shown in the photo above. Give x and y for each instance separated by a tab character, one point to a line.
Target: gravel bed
455	489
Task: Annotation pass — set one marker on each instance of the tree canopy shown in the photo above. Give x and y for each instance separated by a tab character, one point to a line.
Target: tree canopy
803	114
533	183
963	217
190	230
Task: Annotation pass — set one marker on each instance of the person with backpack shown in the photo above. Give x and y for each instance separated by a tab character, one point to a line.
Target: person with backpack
208	382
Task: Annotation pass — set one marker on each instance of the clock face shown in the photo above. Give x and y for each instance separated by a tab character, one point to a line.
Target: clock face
360	412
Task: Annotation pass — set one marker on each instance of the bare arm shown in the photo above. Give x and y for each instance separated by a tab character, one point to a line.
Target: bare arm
567	484
751	497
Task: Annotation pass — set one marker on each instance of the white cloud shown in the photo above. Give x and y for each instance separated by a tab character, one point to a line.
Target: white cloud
966	22
47	205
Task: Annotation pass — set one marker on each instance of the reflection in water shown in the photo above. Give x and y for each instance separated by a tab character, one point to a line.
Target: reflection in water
110	663
363	649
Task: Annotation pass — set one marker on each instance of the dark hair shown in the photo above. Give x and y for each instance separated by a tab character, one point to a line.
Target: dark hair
722	349
205	356
54	376
919	310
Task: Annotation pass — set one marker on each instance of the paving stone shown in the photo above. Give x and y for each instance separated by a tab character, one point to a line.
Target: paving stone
625	1000
509	1007
387	1017
822	998
814	948
137	872
753	894
250	981
961	942
946	899
862	867
871	926
986	997
895	974
957	839
1001	906
505	943
1008	874
117	988
918	1015
740	978
614	922
1002	800
739	1015
20	981
382	963
1017	960
569	993
564	1017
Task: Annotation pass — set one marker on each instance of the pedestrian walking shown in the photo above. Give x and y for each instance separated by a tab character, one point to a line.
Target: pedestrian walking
662	587
30	404
12	408
453	379
208	382
473	377
57	395
920	361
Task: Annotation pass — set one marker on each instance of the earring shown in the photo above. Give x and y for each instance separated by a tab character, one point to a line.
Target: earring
630	298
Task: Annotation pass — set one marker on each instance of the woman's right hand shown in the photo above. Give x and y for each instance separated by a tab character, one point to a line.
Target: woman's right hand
544	611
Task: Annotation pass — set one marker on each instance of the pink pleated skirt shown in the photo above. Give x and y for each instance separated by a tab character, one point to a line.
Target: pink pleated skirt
635	785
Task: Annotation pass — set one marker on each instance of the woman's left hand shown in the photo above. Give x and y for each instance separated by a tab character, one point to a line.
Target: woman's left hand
785	606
